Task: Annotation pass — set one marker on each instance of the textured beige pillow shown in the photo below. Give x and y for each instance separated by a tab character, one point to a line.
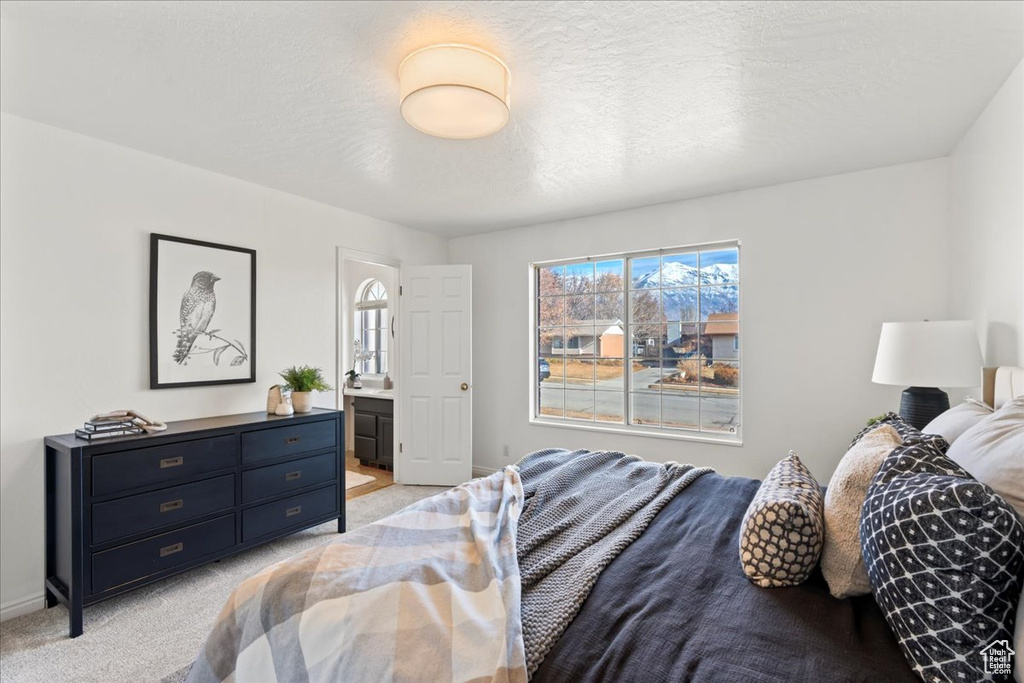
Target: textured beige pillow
841	561
993	452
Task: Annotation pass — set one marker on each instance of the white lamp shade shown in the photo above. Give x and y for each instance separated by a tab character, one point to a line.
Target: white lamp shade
934	353
454	91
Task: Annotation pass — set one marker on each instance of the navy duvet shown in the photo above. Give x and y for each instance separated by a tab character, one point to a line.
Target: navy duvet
675	606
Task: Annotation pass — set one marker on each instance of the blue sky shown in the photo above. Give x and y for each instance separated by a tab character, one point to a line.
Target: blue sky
710	258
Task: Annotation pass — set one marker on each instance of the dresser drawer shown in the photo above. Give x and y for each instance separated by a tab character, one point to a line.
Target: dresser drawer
294	511
366	425
157	464
134	514
266	444
288	476
140	559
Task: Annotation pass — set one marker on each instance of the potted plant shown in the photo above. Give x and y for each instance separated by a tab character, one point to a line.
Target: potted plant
353	379
302	381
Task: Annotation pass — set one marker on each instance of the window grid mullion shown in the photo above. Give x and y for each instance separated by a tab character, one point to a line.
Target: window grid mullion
627	346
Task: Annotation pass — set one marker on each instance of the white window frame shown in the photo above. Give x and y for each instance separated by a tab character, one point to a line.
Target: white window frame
362	305
680	434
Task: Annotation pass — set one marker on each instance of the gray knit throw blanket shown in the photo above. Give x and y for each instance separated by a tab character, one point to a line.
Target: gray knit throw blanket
581	509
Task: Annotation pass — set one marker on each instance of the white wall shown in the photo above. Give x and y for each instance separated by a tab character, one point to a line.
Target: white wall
987	214
825	262
75	219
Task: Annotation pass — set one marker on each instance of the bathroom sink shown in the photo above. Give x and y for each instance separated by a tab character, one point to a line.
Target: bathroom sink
383	393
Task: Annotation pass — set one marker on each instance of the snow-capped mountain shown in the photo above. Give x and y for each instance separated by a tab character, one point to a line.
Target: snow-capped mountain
681	275
682	303
718	274
718	293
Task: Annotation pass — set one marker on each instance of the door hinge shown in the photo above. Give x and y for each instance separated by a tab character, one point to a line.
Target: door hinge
399	290
399	447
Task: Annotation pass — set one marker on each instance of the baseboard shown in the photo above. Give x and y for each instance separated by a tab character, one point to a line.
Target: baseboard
483	471
16	608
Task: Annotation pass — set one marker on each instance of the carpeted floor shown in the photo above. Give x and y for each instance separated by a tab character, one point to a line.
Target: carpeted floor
152	633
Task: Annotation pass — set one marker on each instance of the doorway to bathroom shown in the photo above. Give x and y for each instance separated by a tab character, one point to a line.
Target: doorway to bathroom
368	367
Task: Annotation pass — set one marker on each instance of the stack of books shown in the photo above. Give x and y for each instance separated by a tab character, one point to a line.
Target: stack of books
109	425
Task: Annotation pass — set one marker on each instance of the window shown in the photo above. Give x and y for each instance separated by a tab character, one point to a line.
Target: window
372	329
645	341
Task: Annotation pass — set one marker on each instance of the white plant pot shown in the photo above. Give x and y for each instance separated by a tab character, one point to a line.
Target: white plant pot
302	401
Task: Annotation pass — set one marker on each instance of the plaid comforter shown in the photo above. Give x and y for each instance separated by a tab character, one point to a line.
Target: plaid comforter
431	593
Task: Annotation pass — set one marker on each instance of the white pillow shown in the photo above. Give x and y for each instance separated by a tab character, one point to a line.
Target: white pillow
954	422
993	452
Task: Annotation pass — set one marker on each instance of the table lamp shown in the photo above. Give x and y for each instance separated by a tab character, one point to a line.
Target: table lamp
926	355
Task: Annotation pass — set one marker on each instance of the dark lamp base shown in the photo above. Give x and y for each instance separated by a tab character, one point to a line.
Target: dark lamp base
921	405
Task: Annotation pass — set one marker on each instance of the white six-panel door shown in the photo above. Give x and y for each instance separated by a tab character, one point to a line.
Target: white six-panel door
436	411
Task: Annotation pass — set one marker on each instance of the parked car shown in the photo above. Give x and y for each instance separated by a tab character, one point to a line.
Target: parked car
543	369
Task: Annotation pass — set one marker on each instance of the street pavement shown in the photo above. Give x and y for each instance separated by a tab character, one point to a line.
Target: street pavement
675	408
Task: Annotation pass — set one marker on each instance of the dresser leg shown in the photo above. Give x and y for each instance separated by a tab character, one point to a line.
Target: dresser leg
74	619
51	600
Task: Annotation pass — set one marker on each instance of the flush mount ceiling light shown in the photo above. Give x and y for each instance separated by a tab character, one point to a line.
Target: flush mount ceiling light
454	91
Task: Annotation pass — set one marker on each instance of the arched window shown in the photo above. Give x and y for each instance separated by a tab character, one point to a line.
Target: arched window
372	328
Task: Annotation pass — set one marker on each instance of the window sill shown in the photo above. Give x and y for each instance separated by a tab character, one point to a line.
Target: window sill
724	440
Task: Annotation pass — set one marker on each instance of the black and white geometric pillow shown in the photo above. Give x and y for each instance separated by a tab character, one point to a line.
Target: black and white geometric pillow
908	433
783	528
945	559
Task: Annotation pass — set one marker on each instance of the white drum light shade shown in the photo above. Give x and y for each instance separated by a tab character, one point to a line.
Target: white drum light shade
937	353
454	91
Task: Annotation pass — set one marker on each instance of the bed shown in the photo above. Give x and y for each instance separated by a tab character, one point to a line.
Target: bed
674	606
653	593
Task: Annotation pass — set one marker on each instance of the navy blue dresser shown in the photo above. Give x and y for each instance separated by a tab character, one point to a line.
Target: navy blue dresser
128	511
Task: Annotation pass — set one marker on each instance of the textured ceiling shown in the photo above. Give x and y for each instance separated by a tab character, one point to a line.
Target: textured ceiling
614	105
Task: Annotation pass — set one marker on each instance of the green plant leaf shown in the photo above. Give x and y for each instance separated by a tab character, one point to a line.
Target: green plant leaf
305	378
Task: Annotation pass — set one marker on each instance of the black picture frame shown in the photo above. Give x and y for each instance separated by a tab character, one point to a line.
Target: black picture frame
173	370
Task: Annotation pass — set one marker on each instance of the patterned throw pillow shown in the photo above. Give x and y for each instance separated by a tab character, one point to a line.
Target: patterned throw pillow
783	528
907	432
945	559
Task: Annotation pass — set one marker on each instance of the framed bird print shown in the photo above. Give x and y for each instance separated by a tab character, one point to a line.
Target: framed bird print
202	313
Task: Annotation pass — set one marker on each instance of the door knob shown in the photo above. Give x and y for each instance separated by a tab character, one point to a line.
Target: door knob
464	387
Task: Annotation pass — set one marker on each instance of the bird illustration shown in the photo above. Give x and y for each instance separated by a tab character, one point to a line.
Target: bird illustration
197	307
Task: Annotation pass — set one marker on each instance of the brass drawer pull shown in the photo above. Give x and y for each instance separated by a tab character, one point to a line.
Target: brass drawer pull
171	549
292	476
172	505
292	440
171	462
293	511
